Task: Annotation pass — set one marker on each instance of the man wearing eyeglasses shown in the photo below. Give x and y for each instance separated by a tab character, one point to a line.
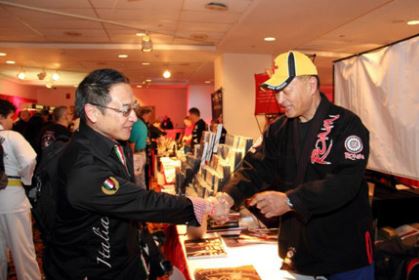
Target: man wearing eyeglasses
99	205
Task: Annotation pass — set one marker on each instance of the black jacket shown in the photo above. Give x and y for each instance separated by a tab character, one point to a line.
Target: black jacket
199	128
323	175
99	207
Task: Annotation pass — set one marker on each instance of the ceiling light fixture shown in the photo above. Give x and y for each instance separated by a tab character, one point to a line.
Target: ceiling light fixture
3	54
41	75
122	55
10	62
21	75
269	39
55	76
413	22
146	44
167	74
140	34
145	63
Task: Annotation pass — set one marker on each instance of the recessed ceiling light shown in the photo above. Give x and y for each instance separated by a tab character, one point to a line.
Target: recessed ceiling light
122	56
148	80
145	63
207	82
413	22
139	34
167	74
139	86
10	62
269	39
216	6
2	54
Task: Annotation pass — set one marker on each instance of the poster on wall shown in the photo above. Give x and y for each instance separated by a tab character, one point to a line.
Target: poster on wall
265	99
217	104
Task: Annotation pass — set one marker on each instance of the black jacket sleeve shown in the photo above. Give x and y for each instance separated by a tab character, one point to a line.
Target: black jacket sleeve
125	200
256	172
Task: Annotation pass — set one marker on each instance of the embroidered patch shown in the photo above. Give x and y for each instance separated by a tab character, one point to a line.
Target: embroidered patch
353	144
110	186
323	147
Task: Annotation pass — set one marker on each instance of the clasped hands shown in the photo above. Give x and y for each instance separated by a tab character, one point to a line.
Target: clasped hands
270	203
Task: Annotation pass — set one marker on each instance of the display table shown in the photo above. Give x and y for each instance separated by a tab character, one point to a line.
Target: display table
263	257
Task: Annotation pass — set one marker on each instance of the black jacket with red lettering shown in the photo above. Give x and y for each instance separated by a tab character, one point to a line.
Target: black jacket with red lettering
330	229
96	234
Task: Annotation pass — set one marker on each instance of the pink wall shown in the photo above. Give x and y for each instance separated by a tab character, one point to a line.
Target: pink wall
170	101
13	89
199	96
56	96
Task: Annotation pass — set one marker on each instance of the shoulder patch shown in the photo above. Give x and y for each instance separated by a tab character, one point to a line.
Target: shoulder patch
354	147
110	186
353	144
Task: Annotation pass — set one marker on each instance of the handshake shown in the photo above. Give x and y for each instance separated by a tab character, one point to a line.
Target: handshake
218	207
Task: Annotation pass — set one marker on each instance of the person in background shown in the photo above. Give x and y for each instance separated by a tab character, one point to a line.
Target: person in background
46	116
21	124
15	216
187	134
166	123
199	125
314	159
33	130
99	206
58	129
214	126
138	140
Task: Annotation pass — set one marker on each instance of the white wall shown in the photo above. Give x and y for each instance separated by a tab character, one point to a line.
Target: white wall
199	96
238	83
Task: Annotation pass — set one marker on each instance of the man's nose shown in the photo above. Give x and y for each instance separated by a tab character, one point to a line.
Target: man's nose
280	97
132	116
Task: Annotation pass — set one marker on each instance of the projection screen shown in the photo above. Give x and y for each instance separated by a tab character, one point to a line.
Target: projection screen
382	88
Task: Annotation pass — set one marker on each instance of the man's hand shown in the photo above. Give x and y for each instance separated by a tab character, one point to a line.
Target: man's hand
271	203
220	207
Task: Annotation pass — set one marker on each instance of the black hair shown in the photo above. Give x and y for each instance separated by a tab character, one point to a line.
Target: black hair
58	113
95	89
6	107
194	111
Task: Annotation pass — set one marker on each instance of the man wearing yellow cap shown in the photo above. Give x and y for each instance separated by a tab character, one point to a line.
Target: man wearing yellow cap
313	160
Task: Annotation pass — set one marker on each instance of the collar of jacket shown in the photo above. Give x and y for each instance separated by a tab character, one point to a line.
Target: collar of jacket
303	155
102	144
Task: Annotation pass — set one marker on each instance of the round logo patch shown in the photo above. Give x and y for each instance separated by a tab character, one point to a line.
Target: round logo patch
353	144
110	186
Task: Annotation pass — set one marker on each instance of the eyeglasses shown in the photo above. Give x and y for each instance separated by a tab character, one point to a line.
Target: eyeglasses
125	111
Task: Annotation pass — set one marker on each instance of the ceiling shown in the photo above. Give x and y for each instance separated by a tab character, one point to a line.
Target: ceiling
74	37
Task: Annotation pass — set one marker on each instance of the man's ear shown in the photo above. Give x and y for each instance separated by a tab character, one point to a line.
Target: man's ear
313	84
91	112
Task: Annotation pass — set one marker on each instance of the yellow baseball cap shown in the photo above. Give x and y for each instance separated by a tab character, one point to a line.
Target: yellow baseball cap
288	66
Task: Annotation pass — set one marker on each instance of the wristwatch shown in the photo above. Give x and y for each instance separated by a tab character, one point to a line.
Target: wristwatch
289	203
